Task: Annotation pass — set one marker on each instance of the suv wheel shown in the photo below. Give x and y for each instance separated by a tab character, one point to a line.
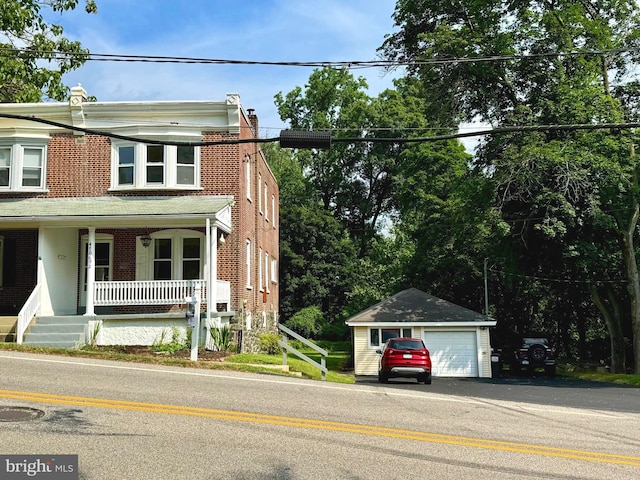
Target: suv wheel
537	353
383	377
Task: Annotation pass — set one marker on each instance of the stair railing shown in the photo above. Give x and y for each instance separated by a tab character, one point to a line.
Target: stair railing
27	312
288	348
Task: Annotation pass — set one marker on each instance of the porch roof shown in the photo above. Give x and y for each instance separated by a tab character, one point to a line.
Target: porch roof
129	211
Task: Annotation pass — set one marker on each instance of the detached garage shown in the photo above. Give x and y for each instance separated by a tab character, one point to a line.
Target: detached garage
457	338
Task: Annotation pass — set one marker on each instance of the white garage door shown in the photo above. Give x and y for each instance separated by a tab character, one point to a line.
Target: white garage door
453	354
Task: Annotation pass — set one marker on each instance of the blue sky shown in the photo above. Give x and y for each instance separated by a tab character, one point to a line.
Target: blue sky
257	30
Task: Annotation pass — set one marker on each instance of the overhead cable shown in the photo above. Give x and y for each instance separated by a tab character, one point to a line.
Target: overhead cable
324	136
378	63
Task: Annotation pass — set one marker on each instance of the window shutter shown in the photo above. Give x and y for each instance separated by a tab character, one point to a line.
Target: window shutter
141	260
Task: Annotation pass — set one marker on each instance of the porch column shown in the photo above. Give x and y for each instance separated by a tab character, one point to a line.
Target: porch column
213	274
91	270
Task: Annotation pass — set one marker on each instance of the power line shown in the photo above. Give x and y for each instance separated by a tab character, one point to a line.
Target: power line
557	280
378	63
326	133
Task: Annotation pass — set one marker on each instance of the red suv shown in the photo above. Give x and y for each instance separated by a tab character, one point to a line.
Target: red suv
404	357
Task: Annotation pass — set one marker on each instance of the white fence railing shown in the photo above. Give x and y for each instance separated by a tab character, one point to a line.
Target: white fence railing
27	312
286	332
156	292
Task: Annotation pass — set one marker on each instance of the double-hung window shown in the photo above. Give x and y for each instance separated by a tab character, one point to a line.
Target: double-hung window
140	166
22	166
176	255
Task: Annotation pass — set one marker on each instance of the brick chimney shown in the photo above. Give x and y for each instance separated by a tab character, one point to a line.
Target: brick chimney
253	119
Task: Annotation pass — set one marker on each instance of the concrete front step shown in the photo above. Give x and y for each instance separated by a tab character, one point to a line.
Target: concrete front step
60	332
8	328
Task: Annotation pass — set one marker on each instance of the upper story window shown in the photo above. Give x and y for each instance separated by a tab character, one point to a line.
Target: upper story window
22	166
140	166
258	194
247	175
266	203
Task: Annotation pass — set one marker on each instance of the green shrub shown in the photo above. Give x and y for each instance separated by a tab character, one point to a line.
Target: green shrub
221	337
176	344
269	343
306	322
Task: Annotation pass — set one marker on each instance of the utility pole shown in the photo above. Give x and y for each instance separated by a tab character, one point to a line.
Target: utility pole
486	289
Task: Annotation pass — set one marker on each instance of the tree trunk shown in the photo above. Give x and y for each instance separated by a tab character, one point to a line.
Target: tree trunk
611	312
633	282
633	285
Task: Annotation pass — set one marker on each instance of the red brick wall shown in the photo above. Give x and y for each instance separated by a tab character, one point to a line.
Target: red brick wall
81	166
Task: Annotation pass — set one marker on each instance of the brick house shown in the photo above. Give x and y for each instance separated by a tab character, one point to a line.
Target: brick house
112	213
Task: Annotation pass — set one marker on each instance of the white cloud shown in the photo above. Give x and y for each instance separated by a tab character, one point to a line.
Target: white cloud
260	30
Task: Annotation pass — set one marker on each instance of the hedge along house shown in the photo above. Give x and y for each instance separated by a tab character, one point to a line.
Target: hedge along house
457	338
112	213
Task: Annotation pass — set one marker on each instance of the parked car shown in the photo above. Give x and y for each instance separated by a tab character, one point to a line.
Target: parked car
533	353
404	357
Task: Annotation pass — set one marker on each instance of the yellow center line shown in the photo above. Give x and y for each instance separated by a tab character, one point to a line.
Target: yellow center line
323	425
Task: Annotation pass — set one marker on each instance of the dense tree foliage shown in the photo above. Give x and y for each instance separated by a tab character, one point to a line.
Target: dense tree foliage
33	53
564	193
317	257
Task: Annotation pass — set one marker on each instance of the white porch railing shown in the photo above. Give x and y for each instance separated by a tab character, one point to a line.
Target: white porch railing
156	292
27	312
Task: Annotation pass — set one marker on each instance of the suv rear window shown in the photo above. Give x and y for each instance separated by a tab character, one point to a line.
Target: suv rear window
406	344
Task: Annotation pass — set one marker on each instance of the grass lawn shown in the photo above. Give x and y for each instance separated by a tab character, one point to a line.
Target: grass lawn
240	362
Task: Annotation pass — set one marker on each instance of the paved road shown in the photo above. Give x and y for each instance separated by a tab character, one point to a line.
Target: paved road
556	391
129	421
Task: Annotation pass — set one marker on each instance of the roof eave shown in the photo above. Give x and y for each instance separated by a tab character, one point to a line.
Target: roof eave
482	323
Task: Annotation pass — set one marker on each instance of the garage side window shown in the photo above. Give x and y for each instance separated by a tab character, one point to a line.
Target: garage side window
379	336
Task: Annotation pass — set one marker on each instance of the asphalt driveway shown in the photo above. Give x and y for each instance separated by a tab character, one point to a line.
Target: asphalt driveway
541	390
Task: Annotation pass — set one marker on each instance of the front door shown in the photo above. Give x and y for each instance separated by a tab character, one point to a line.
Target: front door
103	260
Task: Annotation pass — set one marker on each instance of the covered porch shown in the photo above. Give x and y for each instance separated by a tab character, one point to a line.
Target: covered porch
124	256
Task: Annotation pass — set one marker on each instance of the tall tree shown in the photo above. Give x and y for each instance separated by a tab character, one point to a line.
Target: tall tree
26	40
317	257
544	63
353	180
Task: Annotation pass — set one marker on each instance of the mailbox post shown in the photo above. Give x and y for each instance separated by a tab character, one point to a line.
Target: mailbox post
192	317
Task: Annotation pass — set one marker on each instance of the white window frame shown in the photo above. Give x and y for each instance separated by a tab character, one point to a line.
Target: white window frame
266	202
260	286
177	237
274	270
258	194
248	263
170	168
17	166
378	332
266	272
273	209
247	171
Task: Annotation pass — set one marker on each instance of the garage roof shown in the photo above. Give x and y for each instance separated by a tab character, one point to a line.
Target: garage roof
417	307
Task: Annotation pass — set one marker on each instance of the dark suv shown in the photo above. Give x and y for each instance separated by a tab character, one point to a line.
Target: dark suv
533	353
